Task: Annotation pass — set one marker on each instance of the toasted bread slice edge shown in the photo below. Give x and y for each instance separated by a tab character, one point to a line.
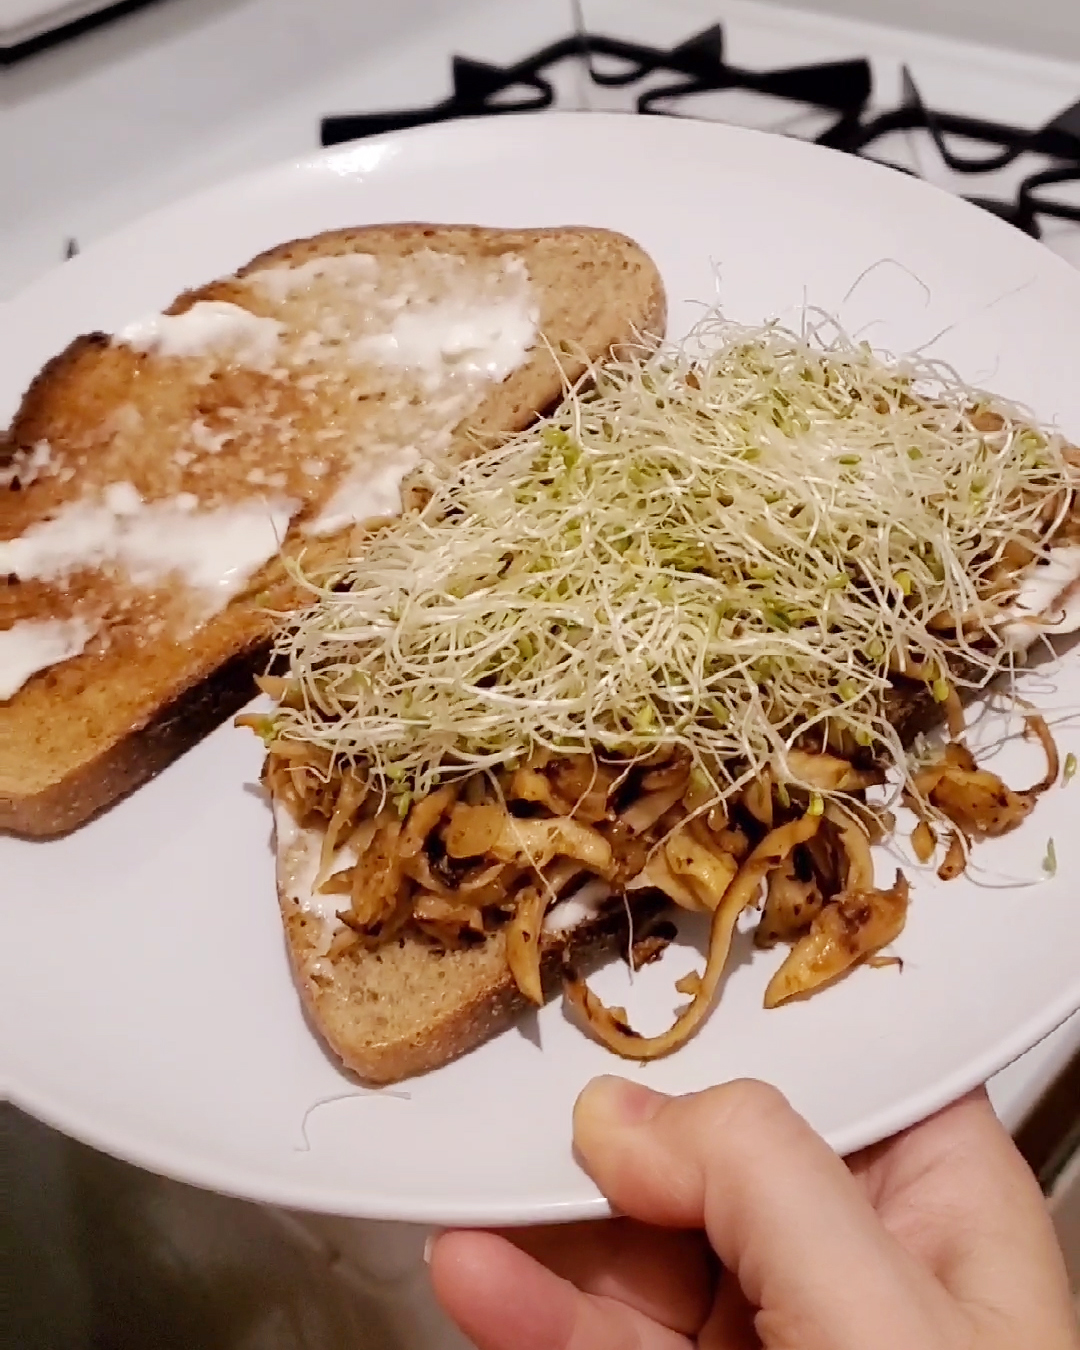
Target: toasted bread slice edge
191	714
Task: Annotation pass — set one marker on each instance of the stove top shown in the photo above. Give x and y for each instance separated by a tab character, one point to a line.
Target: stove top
1021	173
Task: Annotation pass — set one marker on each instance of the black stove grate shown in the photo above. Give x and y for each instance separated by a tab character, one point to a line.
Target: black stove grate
697	66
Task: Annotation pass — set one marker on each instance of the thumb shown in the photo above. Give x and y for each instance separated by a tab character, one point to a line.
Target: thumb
781	1210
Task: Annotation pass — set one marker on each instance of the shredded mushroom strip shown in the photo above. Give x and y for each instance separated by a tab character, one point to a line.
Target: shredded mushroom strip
665	640
610	1025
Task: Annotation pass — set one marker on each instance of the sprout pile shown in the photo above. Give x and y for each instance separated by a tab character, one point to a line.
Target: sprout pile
728	546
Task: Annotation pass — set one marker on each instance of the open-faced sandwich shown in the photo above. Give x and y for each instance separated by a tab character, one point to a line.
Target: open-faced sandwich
656	649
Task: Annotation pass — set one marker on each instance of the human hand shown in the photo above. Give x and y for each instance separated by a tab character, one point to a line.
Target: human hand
938	1239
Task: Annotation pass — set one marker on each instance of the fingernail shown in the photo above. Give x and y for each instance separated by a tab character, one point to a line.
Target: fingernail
615	1101
429	1245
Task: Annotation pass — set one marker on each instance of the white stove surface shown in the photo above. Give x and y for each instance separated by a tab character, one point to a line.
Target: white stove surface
184	94
181	95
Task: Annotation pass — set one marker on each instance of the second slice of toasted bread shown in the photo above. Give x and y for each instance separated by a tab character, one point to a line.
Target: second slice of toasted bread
173	426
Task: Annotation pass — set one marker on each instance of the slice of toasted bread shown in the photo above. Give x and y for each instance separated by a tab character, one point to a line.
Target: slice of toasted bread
182	425
411	1006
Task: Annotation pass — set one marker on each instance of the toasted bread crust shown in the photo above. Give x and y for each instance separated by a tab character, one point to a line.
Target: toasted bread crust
126	764
484	998
66	750
34	415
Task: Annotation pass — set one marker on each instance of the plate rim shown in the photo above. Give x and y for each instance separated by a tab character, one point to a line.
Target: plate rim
320	1198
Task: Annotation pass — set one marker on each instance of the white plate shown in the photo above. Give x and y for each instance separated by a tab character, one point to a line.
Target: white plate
145	997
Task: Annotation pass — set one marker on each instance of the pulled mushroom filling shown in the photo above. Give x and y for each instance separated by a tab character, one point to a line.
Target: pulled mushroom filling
502	849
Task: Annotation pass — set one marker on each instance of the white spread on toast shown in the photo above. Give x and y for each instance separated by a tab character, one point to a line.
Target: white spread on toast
281	283
366	496
447	325
455	335
212	328
37	644
1048	590
579	908
215	552
298	863
207	441
27	467
298	854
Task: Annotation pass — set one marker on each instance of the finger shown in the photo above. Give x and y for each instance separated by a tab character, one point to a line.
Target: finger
503	1299
927	1182
956	1185
781	1210
730	1325
668	1275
